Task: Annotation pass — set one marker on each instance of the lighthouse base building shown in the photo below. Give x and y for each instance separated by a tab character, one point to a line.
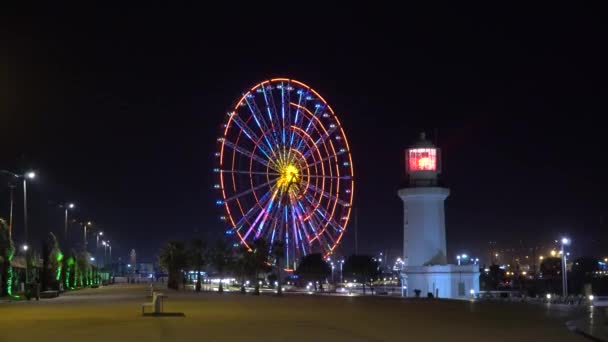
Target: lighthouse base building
426	270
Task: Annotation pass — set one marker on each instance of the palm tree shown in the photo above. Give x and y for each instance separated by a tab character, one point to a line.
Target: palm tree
7	250
260	259
173	258
278	253
51	263
243	264
221	256
198	258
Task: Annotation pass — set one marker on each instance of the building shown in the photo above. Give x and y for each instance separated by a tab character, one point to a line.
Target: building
426	270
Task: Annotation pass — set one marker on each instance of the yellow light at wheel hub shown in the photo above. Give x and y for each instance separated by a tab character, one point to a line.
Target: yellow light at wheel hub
289	175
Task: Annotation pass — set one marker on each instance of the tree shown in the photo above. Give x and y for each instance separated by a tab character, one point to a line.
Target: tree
583	271
69	270
7	251
243	265
221	257
51	263
83	274
173	258
278	253
361	267
313	268
551	267
198	257
491	280
260	251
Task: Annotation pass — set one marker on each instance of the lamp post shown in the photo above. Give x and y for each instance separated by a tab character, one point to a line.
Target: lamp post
84	226
97	246
461	257
24	248
105	245
564	242
67	207
10	215
28	175
25	177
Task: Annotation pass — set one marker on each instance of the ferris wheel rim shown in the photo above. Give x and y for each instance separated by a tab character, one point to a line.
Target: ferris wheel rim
332	180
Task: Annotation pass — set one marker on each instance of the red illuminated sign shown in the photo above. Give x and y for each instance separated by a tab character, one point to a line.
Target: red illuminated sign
422	159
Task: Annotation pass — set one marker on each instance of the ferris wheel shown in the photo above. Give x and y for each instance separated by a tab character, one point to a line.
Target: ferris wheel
285	170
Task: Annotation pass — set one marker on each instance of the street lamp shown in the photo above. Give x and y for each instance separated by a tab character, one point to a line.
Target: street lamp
25	247
461	257
66	206
25	177
564	242
10	215
97	245
84	226
105	246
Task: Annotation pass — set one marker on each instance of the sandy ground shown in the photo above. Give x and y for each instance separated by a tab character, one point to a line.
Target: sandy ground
113	314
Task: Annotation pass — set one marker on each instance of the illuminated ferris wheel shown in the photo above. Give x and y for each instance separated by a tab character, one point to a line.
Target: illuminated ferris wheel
285	170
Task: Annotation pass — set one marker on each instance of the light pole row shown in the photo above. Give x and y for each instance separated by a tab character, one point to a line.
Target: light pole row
66	206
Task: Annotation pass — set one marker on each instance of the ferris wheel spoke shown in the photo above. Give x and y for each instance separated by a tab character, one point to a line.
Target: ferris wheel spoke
263	212
319	108
268	211
252	136
298	117
251	172
251	211
319	141
327	195
248	154
327	217
271	109
240	194
260	120
335	155
298	215
285	112
329	177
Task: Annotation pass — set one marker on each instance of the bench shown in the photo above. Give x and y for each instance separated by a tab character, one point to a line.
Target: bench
156	304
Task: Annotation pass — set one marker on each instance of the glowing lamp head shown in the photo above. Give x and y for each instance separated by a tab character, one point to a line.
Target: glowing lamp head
565	241
71	205
30	175
422	162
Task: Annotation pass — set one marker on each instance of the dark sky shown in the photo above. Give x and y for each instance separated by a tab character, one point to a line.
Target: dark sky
118	110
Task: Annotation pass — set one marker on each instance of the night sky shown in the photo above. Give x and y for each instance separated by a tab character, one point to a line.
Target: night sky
118	110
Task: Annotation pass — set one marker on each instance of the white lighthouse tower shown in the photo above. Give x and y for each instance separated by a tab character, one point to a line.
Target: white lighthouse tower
424	239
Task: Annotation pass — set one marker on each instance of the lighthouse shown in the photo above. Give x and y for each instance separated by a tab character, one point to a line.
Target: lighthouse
426	269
